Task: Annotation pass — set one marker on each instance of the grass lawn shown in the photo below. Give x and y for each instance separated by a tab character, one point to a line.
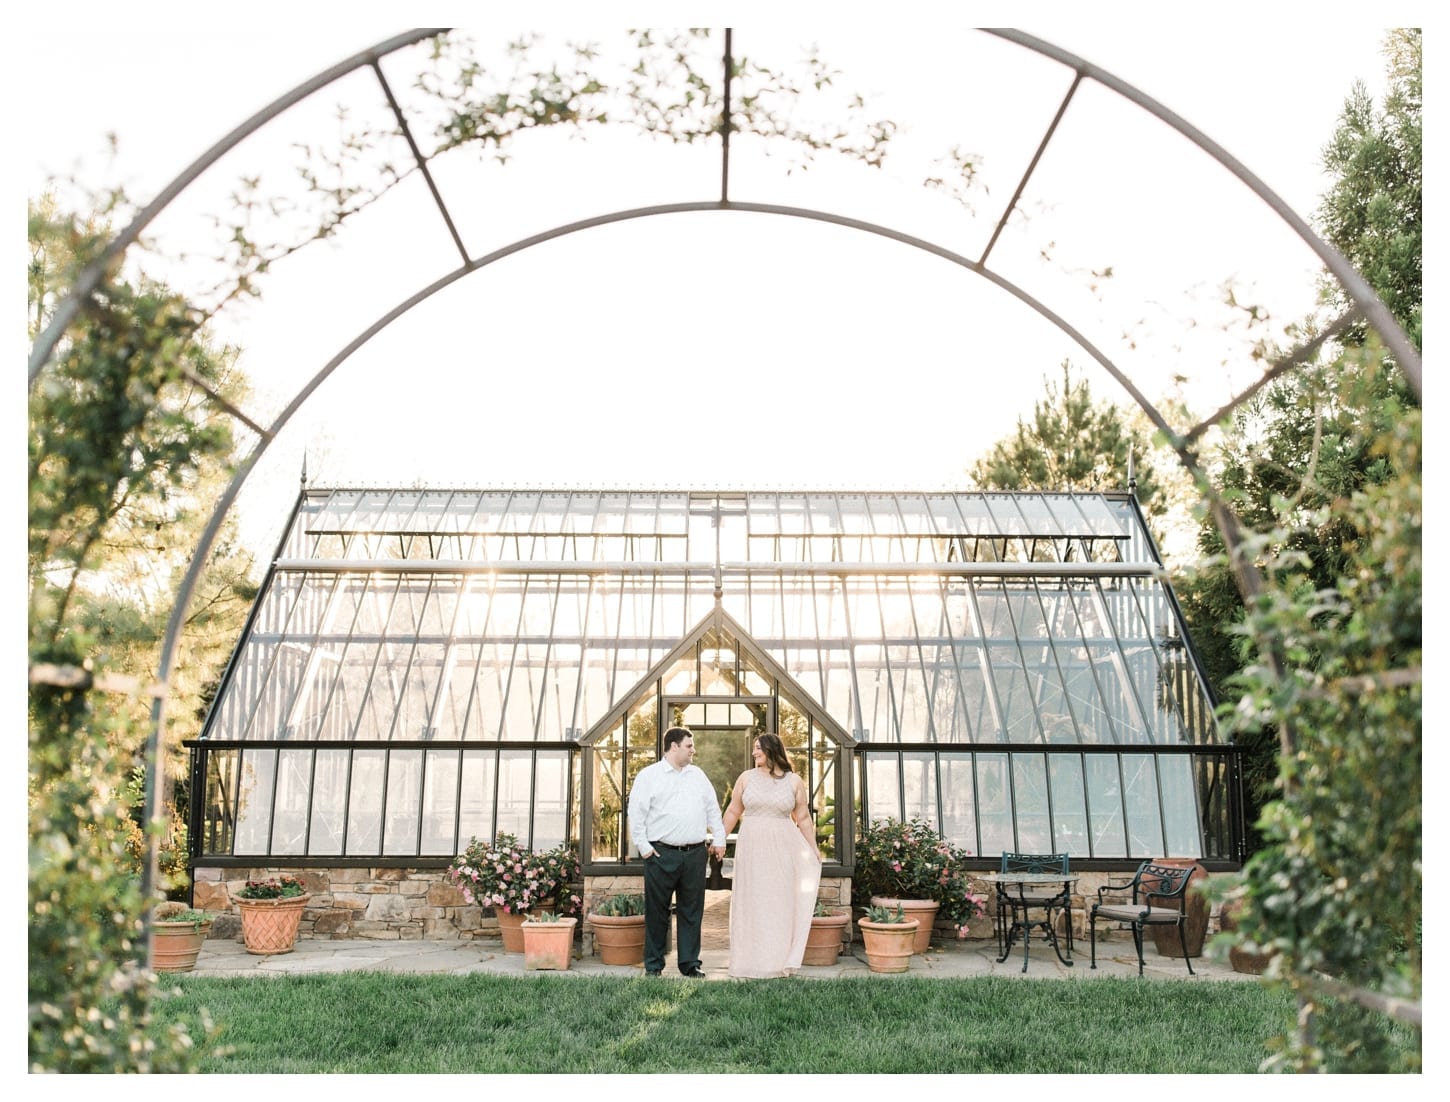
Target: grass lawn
362	1022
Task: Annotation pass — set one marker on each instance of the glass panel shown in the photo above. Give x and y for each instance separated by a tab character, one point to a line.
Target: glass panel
219	823
994	795
1180	807
681	676
551	799
329	802
1069	807
475	813
1145	825
515	792
824	755
642	749
794	728
440	803
883	787
1105	806
918	785
1029	779
294	783
254	802
959	801
405	788
1014	692
607	762
365	803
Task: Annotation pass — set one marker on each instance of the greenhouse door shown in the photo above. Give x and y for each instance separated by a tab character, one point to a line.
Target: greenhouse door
724	735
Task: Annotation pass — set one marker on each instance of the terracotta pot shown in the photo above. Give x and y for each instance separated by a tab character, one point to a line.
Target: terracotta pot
548	945
923	910
508	926
1195	926
1242	960
823	943
889	945
269	926
175	945
619	938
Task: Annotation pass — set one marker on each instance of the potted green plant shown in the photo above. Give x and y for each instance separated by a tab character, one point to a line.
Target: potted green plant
823	943
271	912
177	934
548	941
507	877
618	924
909	864
888	936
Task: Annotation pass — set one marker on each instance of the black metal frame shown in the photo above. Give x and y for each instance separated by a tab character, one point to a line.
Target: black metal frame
1220	810
1151	882
1039	863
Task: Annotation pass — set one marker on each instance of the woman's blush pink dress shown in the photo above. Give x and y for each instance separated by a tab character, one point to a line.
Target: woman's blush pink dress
777	877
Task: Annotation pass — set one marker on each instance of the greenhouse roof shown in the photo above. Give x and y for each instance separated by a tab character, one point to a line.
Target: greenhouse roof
535	615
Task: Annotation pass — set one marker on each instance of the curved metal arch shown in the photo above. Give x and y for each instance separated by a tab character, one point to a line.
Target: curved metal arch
228	497
1363	296
1365	299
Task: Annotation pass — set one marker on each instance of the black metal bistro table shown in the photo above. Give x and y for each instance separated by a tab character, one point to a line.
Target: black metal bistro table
1007	883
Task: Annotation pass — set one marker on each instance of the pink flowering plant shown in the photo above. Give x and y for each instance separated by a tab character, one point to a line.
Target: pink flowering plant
277	887
506	876
911	860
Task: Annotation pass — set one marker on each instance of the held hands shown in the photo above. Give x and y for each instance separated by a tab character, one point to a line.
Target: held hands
717	851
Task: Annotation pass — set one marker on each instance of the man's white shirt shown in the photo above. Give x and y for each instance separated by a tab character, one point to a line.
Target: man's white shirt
672	805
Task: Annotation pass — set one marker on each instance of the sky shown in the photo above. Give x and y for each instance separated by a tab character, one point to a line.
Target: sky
729	350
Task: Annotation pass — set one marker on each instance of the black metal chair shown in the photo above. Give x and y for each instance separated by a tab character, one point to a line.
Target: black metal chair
1044	898
1157	896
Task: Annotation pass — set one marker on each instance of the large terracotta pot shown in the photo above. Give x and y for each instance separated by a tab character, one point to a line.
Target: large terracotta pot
1195	926
923	910
269	926
823	944
889	945
619	938
548	945
175	945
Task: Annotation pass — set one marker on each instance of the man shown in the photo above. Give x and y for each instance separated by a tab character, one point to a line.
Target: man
671	804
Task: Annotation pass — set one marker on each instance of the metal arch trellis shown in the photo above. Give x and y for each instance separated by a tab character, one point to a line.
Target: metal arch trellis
1367	305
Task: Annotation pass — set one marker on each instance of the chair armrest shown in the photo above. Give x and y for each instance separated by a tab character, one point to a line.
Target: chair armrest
1124	888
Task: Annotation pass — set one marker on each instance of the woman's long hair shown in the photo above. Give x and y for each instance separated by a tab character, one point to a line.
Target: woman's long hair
774	751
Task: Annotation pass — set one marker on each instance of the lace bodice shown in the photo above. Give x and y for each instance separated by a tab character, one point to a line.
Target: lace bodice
765	795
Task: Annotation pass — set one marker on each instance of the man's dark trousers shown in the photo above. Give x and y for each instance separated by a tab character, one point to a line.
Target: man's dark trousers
681	874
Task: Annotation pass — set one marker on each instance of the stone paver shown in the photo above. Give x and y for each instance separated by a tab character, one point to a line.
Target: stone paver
945	960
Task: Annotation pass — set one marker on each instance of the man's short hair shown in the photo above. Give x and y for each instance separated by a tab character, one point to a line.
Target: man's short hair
677	734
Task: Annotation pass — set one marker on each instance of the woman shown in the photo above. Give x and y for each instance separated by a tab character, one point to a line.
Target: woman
777	866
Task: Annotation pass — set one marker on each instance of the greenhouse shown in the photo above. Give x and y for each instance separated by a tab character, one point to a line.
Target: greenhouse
426	666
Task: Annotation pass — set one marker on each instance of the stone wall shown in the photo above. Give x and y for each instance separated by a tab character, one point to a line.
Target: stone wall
381	903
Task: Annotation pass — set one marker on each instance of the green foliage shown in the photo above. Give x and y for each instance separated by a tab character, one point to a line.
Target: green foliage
1071	443
1321	668
621	905
173	911
118	440
887	916
1372	212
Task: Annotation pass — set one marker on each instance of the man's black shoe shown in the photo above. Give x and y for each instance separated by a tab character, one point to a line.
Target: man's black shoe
694	974
654	973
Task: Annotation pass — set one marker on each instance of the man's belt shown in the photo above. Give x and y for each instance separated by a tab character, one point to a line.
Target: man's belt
671	845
